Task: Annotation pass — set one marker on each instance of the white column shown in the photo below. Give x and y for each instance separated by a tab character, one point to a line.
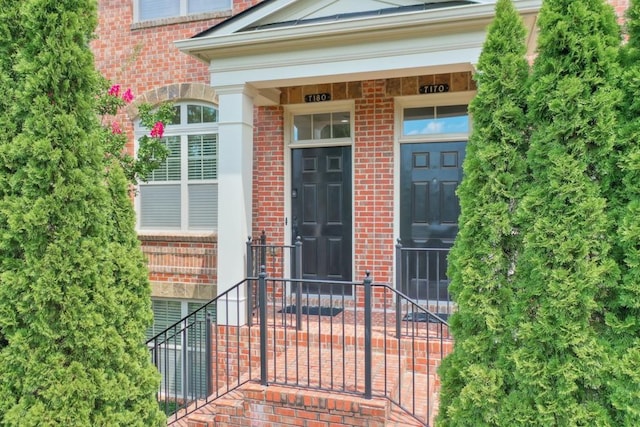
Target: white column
235	180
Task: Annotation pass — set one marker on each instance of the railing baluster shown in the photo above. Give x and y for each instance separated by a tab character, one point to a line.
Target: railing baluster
367	337
262	288
399	270
298	275
249	273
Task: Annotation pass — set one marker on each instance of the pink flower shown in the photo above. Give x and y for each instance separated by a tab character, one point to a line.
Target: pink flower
127	96
115	128
158	130
115	90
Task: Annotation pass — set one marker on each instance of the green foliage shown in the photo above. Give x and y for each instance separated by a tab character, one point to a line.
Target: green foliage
151	151
547	329
565	271
74	295
623	311
476	377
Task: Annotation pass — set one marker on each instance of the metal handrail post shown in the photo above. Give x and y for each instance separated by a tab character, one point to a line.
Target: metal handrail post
368	380
185	364
207	358
398	287
298	275
249	273
262	300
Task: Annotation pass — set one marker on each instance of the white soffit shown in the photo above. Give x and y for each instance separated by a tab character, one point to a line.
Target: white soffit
253	48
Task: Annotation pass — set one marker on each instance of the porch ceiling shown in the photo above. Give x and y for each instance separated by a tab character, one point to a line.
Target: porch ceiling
397	45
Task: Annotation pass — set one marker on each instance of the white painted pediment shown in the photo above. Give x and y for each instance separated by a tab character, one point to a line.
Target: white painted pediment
303	10
295	12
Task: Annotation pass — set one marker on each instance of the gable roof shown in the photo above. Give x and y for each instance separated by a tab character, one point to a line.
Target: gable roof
293	42
293	14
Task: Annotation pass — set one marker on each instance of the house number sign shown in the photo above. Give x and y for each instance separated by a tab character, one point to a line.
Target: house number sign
437	88
317	97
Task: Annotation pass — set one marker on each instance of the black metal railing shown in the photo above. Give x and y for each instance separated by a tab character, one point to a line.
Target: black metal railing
421	274
372	341
204	356
356	344
277	261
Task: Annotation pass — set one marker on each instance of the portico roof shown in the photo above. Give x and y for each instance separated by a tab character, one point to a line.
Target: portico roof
287	42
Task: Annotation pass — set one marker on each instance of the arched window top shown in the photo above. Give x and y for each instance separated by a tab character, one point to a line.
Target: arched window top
190	115
194	113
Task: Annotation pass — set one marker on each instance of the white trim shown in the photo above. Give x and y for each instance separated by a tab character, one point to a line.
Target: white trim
183	131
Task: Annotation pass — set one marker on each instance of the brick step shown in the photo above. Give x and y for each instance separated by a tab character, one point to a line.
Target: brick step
399	418
276	406
223	410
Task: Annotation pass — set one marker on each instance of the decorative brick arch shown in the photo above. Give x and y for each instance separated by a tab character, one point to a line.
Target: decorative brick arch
173	92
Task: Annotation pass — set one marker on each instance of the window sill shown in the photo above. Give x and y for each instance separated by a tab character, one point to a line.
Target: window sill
178	237
181	19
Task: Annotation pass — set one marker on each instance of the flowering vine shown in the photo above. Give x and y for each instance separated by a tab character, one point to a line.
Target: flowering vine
152	150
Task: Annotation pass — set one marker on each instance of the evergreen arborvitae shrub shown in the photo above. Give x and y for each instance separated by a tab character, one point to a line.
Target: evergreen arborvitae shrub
565	271
74	296
476	376
623	314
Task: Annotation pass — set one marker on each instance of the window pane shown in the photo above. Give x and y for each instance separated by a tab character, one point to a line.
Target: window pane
203	156
198	6
160	206
209	115
321	126
194	114
341	125
203	206
165	314
175	120
301	128
156	9
453	119
418	120
169	170
436	120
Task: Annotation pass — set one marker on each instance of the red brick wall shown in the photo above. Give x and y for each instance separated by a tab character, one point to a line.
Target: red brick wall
373	183
268	174
143	57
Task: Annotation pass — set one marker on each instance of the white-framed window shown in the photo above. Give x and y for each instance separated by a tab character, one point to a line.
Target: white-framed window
311	127
147	10
182	194
433	118
320	124
183	367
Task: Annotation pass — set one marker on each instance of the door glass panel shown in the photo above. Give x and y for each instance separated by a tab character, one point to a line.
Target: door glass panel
322	126
435	120
302	127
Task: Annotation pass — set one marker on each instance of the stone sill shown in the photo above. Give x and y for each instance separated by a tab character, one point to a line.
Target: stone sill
181	19
187	238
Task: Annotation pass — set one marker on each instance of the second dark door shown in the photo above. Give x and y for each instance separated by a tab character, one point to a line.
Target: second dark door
429	210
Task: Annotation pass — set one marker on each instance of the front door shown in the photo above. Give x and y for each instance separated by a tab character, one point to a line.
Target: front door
321	214
430	174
